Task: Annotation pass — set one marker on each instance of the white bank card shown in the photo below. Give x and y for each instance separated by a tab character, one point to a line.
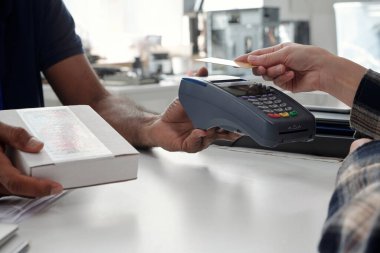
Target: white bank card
226	62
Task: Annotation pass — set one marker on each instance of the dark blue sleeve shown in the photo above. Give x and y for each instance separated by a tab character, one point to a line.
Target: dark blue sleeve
365	113
58	38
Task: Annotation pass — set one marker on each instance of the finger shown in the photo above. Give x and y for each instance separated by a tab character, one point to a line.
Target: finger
214	134
269	59
242	58
202	72
15	183
19	138
358	143
200	139
262	51
267	78
228	136
283	79
271	49
259	71
276	71
211	136
194	142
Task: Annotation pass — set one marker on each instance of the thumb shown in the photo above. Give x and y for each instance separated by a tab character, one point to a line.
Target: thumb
19	138
202	72
269	59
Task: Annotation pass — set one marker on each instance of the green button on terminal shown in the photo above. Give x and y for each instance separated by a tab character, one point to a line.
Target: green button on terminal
293	113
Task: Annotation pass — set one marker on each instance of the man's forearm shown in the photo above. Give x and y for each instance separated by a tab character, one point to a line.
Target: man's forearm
75	82
131	121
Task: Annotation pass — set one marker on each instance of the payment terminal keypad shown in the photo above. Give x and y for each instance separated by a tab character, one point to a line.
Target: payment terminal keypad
266	99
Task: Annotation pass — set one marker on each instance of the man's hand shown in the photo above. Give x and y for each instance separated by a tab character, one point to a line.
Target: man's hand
174	131
12	181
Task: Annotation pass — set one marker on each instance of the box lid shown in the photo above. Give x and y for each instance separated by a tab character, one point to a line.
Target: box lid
95	132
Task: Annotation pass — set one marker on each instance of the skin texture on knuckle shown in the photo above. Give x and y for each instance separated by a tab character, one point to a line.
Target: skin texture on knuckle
287	44
265	60
14	186
18	136
17	187
280	69
287	51
193	144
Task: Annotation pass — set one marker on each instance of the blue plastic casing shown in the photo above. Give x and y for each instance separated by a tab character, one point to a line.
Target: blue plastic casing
209	104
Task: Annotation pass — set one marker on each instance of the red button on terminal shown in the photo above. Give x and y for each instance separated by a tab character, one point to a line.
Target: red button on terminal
274	115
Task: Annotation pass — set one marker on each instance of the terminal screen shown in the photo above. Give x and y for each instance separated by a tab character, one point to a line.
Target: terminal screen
244	90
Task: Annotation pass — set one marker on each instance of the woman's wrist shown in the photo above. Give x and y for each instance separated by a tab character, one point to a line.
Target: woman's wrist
342	78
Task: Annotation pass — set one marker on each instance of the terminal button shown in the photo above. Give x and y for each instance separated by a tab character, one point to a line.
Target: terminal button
288	109
284	114
274	115
293	113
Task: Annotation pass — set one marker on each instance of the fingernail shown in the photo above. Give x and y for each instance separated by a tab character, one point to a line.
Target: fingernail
56	190
289	73
252	58
33	142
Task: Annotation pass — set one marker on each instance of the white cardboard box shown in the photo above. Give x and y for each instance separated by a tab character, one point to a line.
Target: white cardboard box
81	148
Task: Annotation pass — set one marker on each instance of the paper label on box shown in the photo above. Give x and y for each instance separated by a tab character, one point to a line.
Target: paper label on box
65	136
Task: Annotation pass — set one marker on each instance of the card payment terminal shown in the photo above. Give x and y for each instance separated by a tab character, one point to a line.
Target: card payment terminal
266	114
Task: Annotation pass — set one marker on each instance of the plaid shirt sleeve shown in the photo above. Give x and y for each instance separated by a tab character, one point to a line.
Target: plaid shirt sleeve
353	221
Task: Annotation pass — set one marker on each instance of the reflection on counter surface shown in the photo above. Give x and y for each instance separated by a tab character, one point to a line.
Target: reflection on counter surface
320	101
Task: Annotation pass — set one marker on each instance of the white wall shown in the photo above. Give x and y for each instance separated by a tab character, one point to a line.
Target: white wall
113	25
319	13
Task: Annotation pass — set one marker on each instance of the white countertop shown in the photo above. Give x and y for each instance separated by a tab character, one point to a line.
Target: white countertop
218	200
